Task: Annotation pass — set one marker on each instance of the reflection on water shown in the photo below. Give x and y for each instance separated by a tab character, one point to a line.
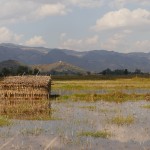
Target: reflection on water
76	117
34	127
65	92
101	91
138	91
26	109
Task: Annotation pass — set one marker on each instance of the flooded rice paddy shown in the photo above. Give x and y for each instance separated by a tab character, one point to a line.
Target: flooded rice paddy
85	125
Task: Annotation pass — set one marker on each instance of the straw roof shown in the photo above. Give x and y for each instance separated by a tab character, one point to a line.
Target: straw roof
40	81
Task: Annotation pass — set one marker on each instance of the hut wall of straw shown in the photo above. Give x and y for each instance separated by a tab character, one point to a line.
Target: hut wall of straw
16	90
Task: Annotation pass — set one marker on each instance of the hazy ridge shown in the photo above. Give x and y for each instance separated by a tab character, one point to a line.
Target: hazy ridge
94	60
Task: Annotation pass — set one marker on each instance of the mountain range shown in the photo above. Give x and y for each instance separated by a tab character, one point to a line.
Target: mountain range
94	60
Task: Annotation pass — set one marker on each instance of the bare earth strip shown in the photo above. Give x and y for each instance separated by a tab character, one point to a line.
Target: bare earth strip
9	141
49	145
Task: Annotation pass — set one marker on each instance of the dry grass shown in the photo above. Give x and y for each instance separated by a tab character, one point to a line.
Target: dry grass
121	120
90	108
4	121
134	83
146	106
34	132
98	134
114	90
117	97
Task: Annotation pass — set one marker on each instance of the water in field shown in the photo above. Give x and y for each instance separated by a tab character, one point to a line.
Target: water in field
70	119
70	92
102	91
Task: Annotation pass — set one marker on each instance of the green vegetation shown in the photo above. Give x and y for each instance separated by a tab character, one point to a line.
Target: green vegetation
97	134
146	106
90	108
107	85
121	120
117	90
33	110
4	121
62	99
117	97
94	77
34	132
19	71
12	67
121	72
104	110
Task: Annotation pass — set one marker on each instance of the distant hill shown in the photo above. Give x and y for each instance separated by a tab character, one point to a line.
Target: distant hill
10	64
59	68
94	60
13	67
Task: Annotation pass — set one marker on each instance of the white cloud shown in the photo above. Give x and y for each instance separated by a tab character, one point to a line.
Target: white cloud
118	3
63	35
7	35
123	18
81	3
123	3
51	9
87	3
122	42
117	42
81	44
142	46
13	11
36	41
92	40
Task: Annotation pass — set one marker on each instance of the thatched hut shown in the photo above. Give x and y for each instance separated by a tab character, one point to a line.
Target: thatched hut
25	87
22	90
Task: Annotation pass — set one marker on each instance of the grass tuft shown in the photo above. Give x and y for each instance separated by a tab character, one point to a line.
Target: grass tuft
90	108
116	96
98	134
4	121
121	120
146	106
34	132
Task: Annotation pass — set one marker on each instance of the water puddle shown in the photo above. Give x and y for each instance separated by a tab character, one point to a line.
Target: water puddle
60	127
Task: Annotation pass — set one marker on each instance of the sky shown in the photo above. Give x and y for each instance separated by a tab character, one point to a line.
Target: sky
82	25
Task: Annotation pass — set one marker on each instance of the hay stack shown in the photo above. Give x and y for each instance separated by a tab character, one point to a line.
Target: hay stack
16	90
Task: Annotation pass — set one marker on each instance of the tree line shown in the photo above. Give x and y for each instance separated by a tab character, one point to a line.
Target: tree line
25	70
21	70
120	72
